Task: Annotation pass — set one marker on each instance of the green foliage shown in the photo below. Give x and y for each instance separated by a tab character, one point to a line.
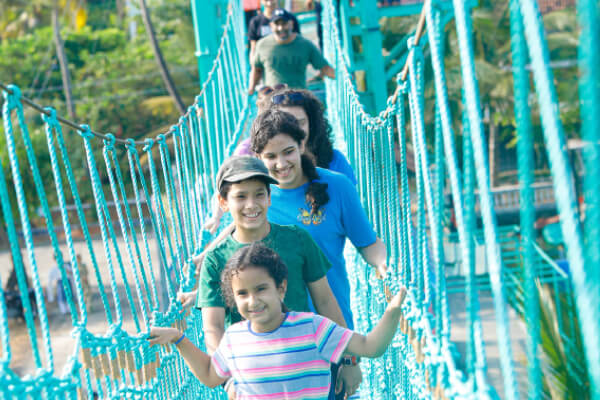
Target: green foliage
491	45
116	84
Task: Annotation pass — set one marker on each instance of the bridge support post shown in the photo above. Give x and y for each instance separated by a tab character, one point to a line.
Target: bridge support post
372	45
207	16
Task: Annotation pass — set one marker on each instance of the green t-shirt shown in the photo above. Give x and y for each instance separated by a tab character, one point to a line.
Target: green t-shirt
286	63
303	258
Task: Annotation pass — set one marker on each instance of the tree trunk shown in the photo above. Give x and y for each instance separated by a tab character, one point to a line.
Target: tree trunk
164	71
63	62
120	13
491	147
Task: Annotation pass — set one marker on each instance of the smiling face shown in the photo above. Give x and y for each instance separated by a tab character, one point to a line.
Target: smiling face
282	30
258	299
248	202
281	156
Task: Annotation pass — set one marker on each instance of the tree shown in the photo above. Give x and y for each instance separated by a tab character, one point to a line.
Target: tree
62	61
164	71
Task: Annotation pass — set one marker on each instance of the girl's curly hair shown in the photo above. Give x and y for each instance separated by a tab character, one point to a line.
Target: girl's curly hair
319	139
256	255
274	122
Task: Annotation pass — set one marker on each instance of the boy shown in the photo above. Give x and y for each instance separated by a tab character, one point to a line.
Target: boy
243	186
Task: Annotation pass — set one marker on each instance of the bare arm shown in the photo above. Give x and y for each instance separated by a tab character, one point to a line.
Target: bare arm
324	301
252	47
327	71
376	255
213	325
255	77
375	342
197	361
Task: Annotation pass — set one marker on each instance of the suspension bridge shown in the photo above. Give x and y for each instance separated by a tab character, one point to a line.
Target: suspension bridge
153	228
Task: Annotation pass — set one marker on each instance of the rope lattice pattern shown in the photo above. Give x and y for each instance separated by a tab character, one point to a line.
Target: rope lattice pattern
171	199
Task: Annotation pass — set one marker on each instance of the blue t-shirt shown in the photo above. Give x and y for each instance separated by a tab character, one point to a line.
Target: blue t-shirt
342	217
339	163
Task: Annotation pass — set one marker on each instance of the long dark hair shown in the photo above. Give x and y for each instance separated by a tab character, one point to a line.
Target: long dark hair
256	255
274	122
319	139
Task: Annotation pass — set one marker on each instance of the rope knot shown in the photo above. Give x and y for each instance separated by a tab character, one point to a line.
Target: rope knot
130	145
51	118
161	139
109	142
175	130
13	99
85	131
149	143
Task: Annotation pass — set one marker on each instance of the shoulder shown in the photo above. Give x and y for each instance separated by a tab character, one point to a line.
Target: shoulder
220	253
339	163
295	319
336	179
265	42
281	232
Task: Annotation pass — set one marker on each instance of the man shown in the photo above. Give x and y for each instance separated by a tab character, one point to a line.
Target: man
258	27
282	57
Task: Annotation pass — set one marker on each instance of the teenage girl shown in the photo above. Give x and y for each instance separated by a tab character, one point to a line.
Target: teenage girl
276	353
324	203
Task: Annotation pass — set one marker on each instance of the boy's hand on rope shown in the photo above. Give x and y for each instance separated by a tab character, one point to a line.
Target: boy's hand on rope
212	224
187	299
160	335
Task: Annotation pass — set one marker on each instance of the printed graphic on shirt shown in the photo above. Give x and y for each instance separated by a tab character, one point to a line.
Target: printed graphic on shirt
308	217
265	30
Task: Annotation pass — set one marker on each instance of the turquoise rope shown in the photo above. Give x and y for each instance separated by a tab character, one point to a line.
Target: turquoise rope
586	287
52	125
527	212
110	158
12	102
200	144
463	29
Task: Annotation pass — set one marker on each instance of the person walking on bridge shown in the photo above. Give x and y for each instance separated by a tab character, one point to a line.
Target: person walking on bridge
259	25
282	57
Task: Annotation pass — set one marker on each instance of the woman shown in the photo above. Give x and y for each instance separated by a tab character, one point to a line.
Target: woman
324	203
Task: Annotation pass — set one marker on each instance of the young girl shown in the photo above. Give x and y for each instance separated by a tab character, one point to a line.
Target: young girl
276	353
324	203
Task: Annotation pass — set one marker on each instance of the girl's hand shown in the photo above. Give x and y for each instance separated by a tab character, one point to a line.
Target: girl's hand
398	299
163	335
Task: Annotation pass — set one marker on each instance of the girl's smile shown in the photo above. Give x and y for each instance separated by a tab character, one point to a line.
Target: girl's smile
282	157
258	299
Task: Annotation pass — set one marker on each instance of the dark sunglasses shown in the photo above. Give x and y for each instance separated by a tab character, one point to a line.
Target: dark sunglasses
293	97
265	90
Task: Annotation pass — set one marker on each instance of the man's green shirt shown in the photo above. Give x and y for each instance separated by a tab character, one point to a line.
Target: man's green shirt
304	260
286	63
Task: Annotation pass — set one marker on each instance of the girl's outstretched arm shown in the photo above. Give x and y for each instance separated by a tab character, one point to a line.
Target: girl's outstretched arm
197	361
376	342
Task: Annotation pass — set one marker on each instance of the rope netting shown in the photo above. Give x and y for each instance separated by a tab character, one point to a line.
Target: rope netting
156	193
424	361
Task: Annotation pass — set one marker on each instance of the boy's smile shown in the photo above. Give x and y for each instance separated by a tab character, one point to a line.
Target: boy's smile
248	202
257	299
